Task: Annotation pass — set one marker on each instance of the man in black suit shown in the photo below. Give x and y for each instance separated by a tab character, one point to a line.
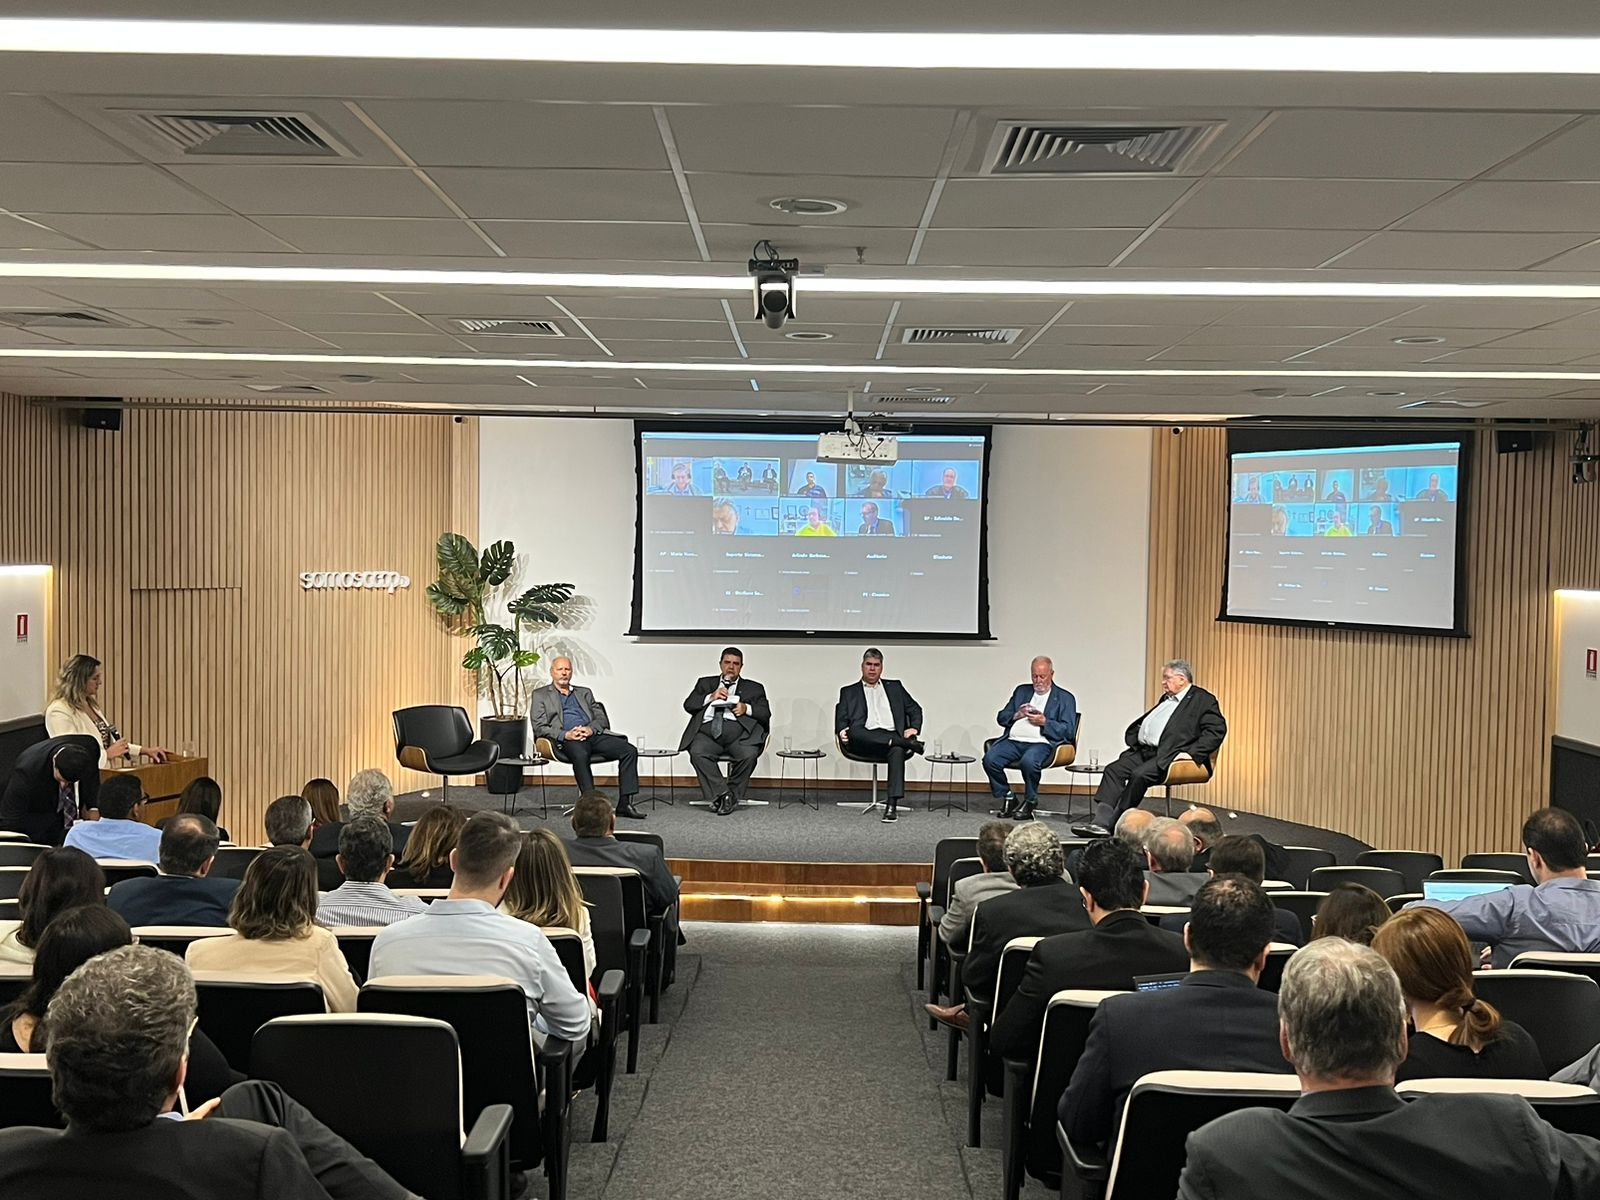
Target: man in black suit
1215	1020
1240	855
184	893
1169	858
1207	831
1185	723
1043	904
595	844
119	1033
877	718
1120	945
728	714
52	784
1342	1025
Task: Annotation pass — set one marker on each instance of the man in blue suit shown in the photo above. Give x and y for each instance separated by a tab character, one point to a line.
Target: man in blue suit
1038	718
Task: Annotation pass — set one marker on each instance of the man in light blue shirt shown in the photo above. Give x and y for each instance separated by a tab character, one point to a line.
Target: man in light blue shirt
1561	913
464	935
119	833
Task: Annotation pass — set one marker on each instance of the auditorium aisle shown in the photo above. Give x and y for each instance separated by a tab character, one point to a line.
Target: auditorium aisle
795	1070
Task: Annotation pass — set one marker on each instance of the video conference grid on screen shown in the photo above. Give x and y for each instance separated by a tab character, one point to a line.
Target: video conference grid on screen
1359	535
750	531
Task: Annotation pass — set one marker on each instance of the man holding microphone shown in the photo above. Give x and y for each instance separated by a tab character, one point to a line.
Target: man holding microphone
728	714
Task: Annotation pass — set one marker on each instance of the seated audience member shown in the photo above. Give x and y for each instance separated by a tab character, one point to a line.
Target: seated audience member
1351	912
1234	854
365	856
120	1055
202	796
545	892
464	935
72	940
576	723
323	796
120	832
1560	912
1221	1021
184	893
1043	904
956	924
52	784
1453	1032
1119	945
596	846
1342	1025
61	878
288	821
370	794
426	861
1206	830
1131	828
1169	849
275	931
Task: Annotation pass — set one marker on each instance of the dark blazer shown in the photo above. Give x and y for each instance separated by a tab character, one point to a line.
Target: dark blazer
1039	911
660	889
1196	729
1286	926
1368	1144
1175	887
1060	713
325	848
545	712
1213	1021
167	1160
852	707
29	803
173	900
440	877
758	713
1107	955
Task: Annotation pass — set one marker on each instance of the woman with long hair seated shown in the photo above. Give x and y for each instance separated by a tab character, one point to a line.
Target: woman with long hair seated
1351	912
545	892
275	930
1453	1032
74	937
425	862
323	796
62	877
202	795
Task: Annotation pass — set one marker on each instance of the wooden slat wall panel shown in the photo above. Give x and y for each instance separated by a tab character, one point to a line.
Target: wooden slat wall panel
178	544
1399	740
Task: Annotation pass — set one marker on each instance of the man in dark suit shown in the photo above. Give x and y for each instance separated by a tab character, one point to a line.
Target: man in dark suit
878	719
1240	855
1169	855
728	714
1119	945
1185	723
52	784
577	725
119	1034
1215	1019
184	893
369	794
871	523
1342	1025
1043	904
1038	718
595	844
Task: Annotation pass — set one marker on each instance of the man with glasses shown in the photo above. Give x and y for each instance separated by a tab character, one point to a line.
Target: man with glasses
120	832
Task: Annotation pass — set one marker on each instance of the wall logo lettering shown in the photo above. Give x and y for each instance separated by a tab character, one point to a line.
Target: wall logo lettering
386	581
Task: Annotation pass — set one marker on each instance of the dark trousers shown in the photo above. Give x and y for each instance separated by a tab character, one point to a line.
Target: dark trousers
603	747
1124	783
885	746
1027	757
742	748
341	1170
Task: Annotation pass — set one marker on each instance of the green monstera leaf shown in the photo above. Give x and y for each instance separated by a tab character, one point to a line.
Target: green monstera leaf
541	603
458	558
499	560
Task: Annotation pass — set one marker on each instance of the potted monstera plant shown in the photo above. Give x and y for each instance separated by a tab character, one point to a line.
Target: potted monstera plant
477	596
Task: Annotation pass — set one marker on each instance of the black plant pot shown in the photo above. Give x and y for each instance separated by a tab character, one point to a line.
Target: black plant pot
511	735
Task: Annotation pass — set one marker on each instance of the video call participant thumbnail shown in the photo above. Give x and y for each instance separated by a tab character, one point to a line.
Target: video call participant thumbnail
948	488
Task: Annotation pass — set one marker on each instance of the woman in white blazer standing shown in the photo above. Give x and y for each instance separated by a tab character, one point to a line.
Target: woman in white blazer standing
75	708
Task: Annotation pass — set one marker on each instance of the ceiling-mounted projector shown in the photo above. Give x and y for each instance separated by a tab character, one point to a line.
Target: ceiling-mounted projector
854	446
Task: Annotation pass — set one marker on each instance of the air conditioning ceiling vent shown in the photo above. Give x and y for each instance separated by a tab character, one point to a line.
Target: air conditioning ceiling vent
949	336
1032	148
508	327
237	134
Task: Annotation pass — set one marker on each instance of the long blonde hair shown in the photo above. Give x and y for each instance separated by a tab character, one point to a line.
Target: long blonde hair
72	685
544	891
323	796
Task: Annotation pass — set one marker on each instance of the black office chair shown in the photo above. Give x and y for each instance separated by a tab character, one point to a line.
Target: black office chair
437	739
872	760
1413	865
1383	880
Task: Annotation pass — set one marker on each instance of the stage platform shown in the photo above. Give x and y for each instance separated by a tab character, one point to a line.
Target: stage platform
827	865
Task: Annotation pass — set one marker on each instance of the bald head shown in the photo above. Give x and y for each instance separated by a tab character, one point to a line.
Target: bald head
561	671
1203	825
1133	825
1043	672
1169	845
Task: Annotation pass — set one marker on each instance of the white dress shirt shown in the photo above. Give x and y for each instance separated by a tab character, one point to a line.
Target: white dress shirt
733	698
879	714
1024	730
353	903
1155	724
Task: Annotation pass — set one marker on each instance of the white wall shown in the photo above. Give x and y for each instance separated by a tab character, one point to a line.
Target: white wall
24	673
1068	538
1577	693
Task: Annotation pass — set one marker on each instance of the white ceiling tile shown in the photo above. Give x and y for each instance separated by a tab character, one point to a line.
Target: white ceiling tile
393	321
34	130
1113	335
279	299
1265	335
256	339
745	199
398	343
23	337
1055	203
853	140
1244	356
612	241
1456	251
378	235
121	337
1563	338
1158	310
566	195
1489	356
23	235
176	318
469	302
1455	339
1239	248
829	245
655	351
1378	144
80	188
1584	258
467	133
1023	247
1497	314
980	312
117	296
323	190
1569	155
1589	321
635	305
1314	312
1302	203
1515	207
165	232
608	328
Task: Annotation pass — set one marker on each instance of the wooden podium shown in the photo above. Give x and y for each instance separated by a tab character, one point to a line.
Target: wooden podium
163	782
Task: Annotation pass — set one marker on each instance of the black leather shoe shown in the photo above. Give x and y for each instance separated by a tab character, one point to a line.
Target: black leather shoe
1008	806
889	814
915	746
724	804
627	808
1025	813
1091	831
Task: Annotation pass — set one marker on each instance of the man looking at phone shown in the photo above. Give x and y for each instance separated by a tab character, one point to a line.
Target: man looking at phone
1038	718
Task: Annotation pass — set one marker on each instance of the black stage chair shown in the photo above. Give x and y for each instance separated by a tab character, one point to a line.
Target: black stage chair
873	760
437	739
1560	1010
1302	860
1413	865
937	891
233	1006
1383	880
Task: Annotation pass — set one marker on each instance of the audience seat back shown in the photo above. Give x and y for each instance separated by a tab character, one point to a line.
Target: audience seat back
1475	875
176	938
1303	905
11	881
1278	956
648	839
231	861
1500	861
14	979
1302	860
1061	1042
1553	960
1383	880
233	1005
1560	1010
1570	1107
119	869
20	854
1414	865
355	943
25	1092
945	853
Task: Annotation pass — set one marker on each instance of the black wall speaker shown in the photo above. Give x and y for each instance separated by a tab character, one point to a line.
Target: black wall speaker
103	418
1513	441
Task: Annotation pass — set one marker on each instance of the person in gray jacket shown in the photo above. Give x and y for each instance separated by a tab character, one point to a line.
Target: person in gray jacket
994	879
576	724
1169	851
